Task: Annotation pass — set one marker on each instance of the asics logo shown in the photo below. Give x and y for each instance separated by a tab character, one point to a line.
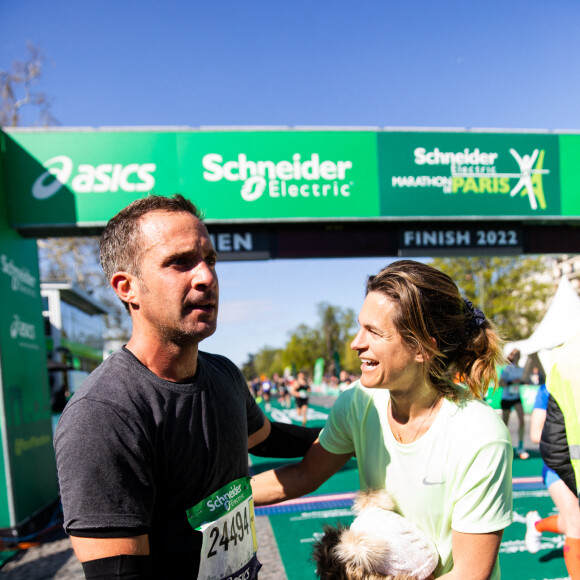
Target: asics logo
104	178
43	187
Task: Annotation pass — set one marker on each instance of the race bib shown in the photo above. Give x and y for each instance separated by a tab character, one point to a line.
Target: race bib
226	520
514	390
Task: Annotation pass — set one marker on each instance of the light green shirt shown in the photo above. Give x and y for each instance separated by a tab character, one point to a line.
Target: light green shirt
457	476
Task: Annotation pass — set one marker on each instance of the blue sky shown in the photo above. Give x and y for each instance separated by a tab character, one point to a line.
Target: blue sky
494	64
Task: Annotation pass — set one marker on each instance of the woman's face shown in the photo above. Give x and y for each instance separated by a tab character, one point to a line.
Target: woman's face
387	361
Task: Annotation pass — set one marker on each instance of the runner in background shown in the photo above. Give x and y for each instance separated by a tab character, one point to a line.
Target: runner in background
266	387
256	388
510	380
565	501
300	388
537	377
345	381
283	393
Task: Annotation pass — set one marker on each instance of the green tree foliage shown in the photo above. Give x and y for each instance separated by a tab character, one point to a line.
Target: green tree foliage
349	358
303	348
507	289
332	334
266	362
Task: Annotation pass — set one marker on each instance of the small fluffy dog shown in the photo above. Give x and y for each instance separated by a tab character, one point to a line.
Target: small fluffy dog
379	545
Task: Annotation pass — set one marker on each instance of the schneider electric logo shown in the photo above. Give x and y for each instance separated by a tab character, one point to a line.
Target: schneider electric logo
475	171
279	179
21	280
106	177
226	499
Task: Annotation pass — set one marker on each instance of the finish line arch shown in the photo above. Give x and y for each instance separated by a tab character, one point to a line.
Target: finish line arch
267	193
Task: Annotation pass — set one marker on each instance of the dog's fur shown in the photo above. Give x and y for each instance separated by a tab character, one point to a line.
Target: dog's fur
340	554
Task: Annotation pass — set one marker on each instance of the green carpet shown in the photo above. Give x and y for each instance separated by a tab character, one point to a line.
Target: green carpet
7	555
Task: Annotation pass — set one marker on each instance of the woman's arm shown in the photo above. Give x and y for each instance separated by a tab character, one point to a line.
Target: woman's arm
537	420
474	555
297	479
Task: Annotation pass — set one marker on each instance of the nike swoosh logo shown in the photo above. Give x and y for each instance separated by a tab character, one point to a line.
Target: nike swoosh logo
425	482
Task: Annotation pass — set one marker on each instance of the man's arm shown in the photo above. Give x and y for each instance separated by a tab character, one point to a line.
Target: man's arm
260	435
93	548
110	558
474	555
282	440
297	479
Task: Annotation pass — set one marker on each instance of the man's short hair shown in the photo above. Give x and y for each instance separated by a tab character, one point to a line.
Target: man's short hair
121	250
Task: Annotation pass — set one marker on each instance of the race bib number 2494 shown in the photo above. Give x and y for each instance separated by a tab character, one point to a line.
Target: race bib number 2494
226	520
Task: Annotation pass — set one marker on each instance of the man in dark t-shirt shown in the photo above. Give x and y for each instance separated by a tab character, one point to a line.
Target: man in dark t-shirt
152	449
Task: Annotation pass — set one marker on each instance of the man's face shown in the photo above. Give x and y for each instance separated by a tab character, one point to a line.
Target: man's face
177	291
387	361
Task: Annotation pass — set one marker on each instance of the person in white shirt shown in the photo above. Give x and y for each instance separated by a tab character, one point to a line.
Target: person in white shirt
444	454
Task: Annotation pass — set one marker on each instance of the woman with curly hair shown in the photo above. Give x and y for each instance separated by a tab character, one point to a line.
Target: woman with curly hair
444	455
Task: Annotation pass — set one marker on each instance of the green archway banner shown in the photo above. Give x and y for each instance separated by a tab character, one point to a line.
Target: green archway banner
447	191
83	177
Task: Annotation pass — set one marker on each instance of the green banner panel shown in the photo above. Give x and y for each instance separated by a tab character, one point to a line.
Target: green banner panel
5	496
273	175
28	471
85	177
570	174
468	174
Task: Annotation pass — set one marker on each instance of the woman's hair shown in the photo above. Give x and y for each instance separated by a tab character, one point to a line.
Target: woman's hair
466	347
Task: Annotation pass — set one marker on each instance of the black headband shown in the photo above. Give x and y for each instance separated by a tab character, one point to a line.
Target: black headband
476	316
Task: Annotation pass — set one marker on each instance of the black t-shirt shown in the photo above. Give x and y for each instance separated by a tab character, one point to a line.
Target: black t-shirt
134	452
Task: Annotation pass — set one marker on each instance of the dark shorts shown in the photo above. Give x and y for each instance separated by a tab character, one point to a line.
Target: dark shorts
508	404
301	402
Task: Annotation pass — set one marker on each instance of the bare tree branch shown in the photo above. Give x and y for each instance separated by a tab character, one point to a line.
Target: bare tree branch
17	90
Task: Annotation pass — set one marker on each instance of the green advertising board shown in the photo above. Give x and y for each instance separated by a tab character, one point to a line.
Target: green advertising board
83	177
570	174
469	174
292	175
28	472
